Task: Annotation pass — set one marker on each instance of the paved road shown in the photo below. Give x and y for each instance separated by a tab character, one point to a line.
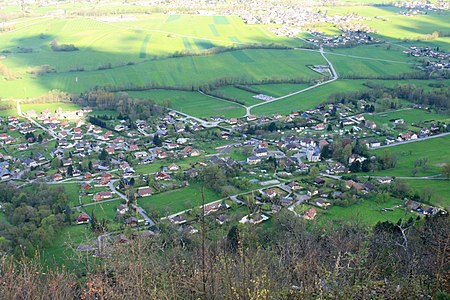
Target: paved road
412	141
203	122
144	215
114	190
19	112
333	72
297	203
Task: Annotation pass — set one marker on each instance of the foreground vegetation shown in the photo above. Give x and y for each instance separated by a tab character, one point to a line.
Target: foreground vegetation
406	260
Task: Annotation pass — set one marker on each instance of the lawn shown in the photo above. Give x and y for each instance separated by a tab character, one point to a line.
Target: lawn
440	190
105	211
436	150
192	103
177	200
367	212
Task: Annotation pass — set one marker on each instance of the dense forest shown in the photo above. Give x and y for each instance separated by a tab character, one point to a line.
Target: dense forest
34	217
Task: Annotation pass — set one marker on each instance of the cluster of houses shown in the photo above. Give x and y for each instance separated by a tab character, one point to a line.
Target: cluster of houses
440	61
349	37
424	209
427	52
421	7
78	141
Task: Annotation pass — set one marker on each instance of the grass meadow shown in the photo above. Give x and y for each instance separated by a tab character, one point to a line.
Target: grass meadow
278	90
439	190
177	200
192	71
309	99
367	212
192	103
416	116
436	150
233	92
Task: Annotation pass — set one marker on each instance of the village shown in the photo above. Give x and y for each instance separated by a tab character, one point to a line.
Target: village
277	162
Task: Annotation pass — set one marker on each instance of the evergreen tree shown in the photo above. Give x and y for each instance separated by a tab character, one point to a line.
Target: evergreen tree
157	141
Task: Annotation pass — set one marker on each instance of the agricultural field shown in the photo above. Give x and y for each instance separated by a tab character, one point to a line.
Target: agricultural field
310	98
426	85
278	90
192	103
436	151
118	41
249	65
348	66
232	92
377	52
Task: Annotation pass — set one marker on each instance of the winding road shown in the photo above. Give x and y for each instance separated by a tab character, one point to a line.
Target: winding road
334	78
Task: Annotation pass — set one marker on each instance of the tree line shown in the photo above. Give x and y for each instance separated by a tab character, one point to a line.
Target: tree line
292	259
438	98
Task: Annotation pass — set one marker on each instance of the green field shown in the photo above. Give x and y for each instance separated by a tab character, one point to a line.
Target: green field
424	84
417	116
436	150
105	211
130	46
370	62
440	190
183	163
192	103
187	72
367	212
278	90
119	41
309	99
238	94
72	191
177	200
52	107
61	252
